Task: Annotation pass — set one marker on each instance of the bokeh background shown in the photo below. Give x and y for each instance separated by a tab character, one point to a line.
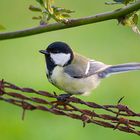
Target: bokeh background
20	63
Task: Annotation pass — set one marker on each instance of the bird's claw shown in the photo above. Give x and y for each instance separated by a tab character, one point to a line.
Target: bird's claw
62	101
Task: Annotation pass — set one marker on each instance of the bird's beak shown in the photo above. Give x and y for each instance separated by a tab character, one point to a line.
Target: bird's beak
44	52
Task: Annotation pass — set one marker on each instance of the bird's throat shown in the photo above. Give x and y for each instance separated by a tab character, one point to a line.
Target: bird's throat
50	65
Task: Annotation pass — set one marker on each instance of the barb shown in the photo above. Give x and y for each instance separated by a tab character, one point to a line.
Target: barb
115	117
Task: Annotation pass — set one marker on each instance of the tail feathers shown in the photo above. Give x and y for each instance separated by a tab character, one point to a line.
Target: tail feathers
119	69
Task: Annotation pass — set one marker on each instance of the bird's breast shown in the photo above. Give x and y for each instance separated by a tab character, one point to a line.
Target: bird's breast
73	85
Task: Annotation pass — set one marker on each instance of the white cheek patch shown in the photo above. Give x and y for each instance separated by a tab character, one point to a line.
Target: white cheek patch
60	58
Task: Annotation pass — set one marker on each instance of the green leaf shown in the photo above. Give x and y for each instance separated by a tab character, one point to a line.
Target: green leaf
34	8
130	20
41	2
51	12
62	10
135	18
37	18
65	15
61	14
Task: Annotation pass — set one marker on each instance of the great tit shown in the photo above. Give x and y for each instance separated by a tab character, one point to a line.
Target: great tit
76	74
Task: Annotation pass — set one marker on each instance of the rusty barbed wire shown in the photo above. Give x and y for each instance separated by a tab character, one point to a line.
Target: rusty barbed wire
116	117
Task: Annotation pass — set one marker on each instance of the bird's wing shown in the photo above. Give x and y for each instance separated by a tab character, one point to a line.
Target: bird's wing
83	67
96	67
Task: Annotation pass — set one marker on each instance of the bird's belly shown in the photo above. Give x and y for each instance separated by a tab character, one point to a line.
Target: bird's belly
73	85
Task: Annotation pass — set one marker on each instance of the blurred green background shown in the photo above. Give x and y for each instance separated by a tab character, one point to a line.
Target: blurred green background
20	63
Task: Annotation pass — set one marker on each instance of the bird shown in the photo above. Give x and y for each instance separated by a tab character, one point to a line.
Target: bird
76	74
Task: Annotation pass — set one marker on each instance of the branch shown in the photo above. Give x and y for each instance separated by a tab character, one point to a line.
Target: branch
72	22
116	116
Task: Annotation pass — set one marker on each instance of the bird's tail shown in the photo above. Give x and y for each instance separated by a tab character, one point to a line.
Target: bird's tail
119	69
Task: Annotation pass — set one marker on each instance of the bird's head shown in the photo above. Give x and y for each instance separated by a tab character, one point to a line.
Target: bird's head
58	53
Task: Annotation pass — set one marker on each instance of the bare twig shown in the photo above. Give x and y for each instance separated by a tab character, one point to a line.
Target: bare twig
119	118
73	22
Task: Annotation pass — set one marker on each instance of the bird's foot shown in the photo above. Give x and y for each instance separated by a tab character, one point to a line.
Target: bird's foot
62	101
63	97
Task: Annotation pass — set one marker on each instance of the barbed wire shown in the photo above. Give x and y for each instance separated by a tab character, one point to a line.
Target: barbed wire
115	116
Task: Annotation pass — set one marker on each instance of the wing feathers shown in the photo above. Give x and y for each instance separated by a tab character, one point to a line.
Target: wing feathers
83	67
